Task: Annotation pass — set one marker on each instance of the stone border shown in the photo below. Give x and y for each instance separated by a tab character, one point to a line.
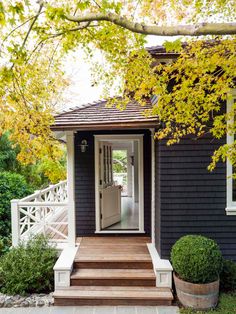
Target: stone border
33	300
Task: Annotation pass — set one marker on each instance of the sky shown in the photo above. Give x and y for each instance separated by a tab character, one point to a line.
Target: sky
80	91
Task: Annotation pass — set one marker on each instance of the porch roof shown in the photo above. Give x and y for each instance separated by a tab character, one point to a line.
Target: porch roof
98	116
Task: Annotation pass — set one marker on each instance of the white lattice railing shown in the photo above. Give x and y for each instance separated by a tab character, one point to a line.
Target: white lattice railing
45	212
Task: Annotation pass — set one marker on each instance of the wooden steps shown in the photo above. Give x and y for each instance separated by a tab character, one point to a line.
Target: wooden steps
111	295
111	264
113	277
113	271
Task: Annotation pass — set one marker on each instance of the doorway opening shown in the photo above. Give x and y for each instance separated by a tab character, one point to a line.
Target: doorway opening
119	184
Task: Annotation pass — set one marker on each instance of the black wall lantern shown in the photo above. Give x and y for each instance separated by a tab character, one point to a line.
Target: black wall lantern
83	146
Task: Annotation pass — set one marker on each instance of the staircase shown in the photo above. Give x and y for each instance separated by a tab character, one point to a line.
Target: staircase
113	271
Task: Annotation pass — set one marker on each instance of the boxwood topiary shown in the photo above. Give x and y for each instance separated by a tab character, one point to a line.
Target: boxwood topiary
196	259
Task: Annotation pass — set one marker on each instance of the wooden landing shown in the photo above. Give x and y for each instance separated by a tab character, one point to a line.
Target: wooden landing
63	228
113	271
113	252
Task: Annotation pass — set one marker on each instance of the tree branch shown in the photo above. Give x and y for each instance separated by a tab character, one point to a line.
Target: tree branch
32	24
185	30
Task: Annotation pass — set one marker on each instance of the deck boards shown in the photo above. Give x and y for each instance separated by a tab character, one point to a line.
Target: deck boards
113	249
63	217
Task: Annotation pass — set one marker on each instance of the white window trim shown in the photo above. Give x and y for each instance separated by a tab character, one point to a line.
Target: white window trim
231	205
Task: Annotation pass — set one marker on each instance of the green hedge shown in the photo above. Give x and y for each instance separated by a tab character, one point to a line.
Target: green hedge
12	186
228	276
196	259
28	268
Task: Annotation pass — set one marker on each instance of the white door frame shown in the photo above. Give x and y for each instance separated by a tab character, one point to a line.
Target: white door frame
118	137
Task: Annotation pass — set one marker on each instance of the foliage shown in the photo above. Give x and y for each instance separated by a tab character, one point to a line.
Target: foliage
5	244
227	305
28	268
119	161
191	92
196	259
8	162
228	276
12	186
36	38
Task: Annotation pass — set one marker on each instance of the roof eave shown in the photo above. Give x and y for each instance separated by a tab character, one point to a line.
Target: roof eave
105	126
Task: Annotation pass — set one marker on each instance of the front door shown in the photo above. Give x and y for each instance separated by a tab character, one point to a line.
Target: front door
110	195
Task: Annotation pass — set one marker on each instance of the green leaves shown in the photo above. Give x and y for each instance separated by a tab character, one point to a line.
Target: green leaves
34	43
196	259
2	14
55	13
28	268
173	46
12	186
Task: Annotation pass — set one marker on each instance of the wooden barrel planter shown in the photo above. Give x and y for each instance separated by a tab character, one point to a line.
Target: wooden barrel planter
197	296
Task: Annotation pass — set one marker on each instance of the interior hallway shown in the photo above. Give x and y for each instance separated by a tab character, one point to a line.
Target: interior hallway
129	215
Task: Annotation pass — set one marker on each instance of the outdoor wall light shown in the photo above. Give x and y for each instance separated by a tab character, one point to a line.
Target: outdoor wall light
83	146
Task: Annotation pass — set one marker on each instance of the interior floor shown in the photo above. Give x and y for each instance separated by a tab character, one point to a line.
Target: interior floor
129	215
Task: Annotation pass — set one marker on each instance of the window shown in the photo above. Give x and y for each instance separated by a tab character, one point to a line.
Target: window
231	182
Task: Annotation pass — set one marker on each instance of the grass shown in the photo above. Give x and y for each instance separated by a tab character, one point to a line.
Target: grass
227	305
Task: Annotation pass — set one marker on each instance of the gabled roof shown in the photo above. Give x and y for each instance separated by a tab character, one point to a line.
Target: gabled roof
99	116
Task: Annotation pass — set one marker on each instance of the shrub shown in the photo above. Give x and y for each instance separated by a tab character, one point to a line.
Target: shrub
5	244
196	259
12	186
228	276
28	268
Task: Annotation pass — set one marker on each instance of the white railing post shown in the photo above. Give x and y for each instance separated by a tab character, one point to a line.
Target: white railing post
71	187
15	222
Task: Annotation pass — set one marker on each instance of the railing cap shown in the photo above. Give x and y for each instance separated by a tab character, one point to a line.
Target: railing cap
15	201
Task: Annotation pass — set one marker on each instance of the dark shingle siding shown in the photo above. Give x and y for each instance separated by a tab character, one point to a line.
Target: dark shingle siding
84	186
85	181
193	200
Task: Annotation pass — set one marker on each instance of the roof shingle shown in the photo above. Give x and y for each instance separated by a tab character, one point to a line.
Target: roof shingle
99	116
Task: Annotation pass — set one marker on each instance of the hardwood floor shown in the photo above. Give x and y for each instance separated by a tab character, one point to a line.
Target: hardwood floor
129	215
113	271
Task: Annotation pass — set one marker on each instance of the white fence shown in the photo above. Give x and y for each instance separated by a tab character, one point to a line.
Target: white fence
45	212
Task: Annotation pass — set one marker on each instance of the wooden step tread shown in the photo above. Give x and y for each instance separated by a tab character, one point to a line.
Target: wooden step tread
111	293
112	257
113	274
115	288
113	264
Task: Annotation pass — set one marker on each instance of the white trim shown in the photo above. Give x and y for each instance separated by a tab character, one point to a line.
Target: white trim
231	205
15	222
153	204
162	268
71	187
119	231
64	267
118	137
